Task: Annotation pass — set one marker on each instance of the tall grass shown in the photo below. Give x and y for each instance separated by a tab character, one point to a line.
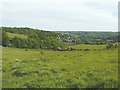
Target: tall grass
60	69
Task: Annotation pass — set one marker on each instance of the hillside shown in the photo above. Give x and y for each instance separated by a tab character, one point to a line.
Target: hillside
12	35
34	38
59	40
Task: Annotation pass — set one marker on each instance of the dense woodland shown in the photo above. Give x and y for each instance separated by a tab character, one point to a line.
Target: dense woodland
36	39
55	40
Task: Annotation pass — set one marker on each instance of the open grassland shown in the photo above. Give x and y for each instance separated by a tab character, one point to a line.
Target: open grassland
36	68
90	47
12	35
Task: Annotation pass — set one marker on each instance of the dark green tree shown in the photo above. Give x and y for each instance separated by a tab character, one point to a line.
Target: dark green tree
16	42
5	39
35	44
110	46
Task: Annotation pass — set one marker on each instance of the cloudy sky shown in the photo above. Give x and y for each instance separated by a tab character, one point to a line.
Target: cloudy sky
67	15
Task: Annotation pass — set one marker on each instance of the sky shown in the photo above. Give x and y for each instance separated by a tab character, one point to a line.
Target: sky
61	15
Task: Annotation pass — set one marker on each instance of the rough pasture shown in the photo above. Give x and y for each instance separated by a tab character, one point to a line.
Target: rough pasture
36	68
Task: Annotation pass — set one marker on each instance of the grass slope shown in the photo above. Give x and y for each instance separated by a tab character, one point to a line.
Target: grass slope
12	35
90	47
60	69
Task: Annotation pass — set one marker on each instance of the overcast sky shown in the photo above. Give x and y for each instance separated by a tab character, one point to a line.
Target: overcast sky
82	15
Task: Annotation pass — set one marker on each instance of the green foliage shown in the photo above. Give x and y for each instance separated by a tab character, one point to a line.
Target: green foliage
111	46
96	38
16	42
32	38
5	39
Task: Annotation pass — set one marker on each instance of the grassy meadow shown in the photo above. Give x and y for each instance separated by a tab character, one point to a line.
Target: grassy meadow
12	35
37	68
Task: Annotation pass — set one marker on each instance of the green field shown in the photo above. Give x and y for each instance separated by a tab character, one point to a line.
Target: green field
12	35
90	47
37	68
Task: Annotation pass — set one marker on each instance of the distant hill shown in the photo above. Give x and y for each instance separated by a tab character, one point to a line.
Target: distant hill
94	37
59	40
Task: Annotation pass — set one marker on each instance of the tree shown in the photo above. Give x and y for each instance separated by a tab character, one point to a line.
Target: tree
5	39
29	43
110	46
35	44
16	42
23	43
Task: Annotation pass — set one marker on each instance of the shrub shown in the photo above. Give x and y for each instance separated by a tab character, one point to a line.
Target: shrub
19	73
110	46
26	49
106	84
63	69
54	71
86	49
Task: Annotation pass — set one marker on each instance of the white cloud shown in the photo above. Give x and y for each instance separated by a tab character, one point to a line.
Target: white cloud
61	14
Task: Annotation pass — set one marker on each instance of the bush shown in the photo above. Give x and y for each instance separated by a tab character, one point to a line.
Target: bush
110	46
26	49
86	49
106	84
19	73
54	71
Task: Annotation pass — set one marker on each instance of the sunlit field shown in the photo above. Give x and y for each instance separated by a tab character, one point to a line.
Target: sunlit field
95	67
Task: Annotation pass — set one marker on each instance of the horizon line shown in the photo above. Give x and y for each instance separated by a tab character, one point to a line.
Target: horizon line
58	30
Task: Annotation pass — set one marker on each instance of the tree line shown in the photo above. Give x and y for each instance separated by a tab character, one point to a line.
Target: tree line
54	40
95	38
36	39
